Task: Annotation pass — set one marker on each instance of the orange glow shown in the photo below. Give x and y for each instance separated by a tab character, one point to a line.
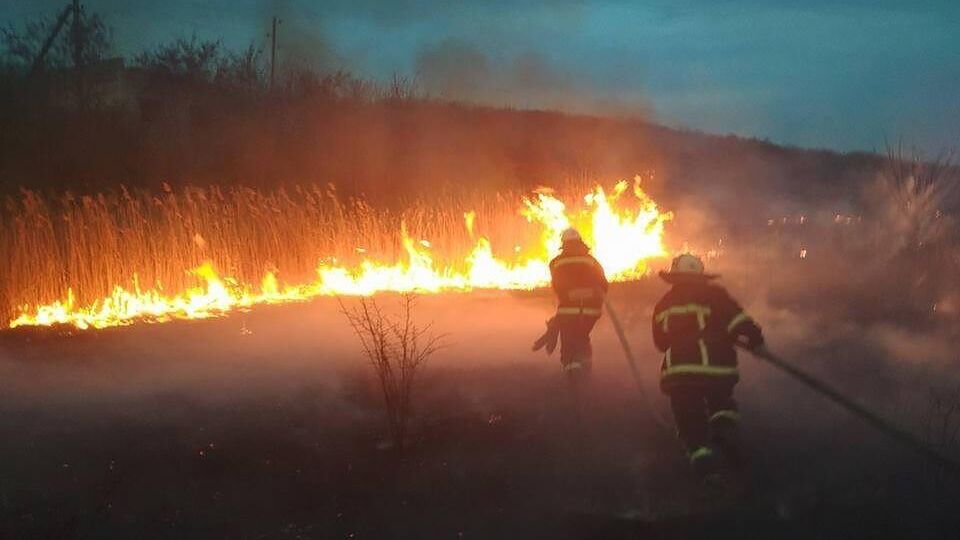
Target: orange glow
624	228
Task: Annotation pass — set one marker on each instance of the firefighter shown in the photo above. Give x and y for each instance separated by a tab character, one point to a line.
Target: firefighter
696	325
580	285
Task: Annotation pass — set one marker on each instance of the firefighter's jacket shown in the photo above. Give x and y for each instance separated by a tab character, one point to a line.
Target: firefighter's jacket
696	326
579	281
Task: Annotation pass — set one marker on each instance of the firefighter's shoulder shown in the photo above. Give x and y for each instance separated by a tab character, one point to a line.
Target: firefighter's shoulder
719	295
715	289
665	301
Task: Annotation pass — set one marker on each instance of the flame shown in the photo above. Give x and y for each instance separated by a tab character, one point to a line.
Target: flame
623	240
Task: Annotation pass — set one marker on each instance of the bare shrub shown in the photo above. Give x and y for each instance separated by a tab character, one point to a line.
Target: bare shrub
940	427
913	206
914	196
397	348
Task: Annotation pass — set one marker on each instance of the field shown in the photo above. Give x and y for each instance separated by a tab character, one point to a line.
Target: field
201	201
267	424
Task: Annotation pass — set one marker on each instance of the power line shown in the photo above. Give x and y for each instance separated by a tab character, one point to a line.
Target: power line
77	35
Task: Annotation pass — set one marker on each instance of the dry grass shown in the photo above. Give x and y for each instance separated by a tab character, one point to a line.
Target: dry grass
92	243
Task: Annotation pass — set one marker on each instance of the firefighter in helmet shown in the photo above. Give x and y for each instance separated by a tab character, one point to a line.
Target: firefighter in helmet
580	285
696	325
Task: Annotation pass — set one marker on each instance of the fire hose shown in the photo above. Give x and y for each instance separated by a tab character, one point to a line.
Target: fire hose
628	352
879	423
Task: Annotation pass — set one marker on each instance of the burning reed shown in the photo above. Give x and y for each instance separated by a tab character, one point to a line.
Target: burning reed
191	252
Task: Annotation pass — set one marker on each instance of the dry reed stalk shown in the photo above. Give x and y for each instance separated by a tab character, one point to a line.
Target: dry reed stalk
91	244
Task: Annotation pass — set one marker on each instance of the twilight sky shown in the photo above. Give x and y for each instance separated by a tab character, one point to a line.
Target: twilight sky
843	75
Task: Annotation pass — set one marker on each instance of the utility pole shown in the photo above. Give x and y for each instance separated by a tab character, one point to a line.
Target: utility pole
72	11
273	50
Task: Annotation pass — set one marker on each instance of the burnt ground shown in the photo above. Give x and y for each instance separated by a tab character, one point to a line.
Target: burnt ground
268	425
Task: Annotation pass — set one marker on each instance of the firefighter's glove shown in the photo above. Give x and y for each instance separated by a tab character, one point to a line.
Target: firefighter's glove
750	342
754	342
549	338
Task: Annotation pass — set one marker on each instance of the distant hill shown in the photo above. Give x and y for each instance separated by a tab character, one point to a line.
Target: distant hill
157	127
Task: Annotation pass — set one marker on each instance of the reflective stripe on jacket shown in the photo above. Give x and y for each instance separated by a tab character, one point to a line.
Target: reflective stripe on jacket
579	281
696	325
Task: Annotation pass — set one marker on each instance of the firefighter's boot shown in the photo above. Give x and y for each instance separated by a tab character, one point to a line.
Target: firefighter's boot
724	433
703	462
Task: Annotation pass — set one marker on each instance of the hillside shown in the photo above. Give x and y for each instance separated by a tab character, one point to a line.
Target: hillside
180	129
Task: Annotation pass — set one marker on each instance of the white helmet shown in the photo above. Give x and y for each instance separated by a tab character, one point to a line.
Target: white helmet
687	264
570	235
686	267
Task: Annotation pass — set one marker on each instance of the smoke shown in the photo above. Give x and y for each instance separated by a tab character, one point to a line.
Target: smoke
454	69
292	347
458	70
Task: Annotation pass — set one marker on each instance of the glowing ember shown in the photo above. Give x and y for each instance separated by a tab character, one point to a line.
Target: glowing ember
623	235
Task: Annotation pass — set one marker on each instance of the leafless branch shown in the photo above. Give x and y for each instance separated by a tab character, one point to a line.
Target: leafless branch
397	348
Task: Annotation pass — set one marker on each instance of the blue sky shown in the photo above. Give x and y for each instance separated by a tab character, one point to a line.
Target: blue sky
843	75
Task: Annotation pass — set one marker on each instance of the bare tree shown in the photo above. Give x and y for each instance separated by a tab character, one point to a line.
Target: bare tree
397	348
20	46
191	59
243	71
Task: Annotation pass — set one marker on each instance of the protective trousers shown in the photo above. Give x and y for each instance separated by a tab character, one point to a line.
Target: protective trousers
707	420
575	349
